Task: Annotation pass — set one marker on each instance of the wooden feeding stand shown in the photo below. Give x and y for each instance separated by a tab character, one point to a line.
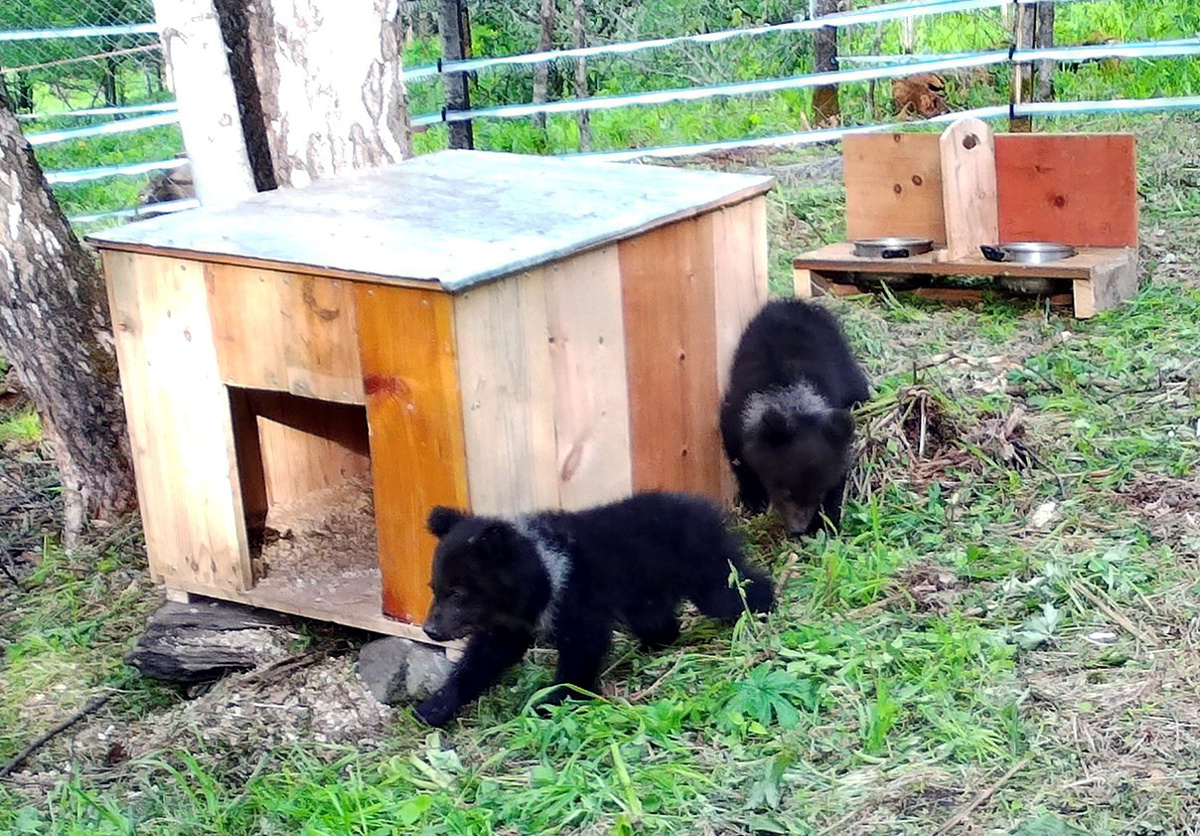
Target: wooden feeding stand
967	188
308	372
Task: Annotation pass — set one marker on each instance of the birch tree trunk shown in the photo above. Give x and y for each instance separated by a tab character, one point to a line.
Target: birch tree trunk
209	116
327	91
54	329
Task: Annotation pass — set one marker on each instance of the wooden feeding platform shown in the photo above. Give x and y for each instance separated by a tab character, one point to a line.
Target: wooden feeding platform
968	188
308	372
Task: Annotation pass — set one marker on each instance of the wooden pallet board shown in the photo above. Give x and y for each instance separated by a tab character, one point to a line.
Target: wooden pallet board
1101	277
1078	189
1048	187
893	186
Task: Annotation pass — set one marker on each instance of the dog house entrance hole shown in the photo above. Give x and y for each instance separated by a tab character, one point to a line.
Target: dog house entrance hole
305	472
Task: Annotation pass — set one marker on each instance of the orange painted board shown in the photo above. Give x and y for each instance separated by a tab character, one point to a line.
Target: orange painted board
1077	189
414	417
893	186
667	291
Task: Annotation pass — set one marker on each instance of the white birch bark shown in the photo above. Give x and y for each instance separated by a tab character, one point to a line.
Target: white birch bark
208	111
329	73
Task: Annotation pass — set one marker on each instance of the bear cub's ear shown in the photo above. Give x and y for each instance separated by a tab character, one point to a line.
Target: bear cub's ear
442	518
839	427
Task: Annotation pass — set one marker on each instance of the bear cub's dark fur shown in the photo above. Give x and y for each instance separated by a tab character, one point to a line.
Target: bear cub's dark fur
572	576
785	418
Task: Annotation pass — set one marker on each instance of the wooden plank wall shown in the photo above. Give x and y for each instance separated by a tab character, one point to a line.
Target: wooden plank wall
285	332
893	186
1078	189
545	407
308	445
740	273
507	394
179	422
288	447
668	296
586	341
418	457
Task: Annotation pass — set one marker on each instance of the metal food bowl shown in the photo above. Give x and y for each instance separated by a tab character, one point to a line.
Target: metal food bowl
893	247
1028	252
1033	285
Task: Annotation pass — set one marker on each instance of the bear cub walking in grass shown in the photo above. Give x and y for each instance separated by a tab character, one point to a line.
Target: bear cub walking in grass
572	576
786	419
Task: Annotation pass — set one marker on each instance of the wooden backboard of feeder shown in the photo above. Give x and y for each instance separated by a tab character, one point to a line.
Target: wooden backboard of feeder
1077	188
893	186
968	154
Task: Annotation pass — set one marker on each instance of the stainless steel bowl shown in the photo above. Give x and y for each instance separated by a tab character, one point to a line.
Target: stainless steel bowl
1033	285
1028	252
894	247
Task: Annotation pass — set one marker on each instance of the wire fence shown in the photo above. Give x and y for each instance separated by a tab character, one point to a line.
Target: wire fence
1094	34
87	79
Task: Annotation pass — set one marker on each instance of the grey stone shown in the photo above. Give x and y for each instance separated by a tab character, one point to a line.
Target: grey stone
397	670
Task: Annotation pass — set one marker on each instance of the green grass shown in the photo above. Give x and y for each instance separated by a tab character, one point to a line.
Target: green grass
938	641
24	425
868	692
783	55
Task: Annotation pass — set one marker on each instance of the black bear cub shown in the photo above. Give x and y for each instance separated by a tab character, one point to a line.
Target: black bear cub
786	419
571	577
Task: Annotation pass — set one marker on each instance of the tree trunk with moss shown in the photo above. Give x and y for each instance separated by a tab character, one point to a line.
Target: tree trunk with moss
54	329
826	108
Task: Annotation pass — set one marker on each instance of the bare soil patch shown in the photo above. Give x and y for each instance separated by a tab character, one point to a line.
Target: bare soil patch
311	699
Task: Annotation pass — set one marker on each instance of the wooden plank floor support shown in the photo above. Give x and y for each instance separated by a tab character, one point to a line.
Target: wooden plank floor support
1101	277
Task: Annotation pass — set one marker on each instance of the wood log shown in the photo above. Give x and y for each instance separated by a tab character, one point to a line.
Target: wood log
207	639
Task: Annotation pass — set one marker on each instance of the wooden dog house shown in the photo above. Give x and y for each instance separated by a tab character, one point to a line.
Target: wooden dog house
967	187
497	332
